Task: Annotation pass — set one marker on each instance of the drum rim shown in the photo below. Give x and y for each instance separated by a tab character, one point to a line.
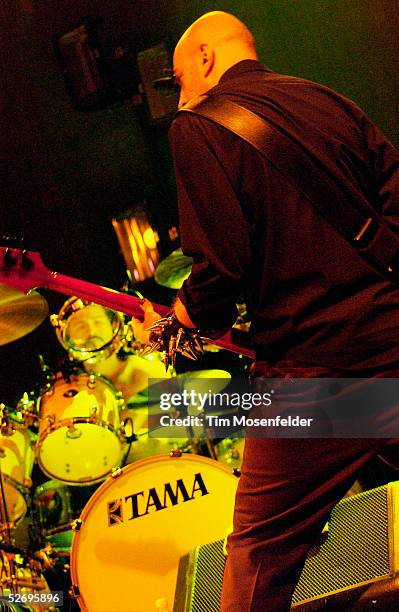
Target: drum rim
53	483
58	376
122	472
75	483
72	421
85	420
91	420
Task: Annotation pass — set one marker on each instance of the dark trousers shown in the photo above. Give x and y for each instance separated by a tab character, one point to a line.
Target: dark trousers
286	491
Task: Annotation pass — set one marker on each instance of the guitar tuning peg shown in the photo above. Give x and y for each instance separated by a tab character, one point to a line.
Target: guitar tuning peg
9	258
27	263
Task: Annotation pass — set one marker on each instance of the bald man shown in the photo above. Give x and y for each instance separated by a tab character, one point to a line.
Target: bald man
318	308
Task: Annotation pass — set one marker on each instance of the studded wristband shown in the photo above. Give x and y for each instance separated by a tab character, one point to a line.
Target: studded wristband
171	337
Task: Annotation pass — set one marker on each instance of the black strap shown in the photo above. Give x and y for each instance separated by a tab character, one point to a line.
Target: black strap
355	219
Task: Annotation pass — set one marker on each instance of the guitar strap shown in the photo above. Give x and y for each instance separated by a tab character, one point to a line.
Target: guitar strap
352	216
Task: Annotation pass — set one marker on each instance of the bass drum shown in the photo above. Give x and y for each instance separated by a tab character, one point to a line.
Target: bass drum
140	523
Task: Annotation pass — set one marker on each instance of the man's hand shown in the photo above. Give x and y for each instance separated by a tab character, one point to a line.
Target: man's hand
139	327
150	316
181	313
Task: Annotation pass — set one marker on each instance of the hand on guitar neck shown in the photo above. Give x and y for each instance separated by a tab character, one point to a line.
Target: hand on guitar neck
140	327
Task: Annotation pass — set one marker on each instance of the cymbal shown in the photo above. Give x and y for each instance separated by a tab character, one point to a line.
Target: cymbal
19	313
173	270
199	381
202	381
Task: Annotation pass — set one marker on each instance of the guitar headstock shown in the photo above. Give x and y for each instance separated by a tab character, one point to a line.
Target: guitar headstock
22	269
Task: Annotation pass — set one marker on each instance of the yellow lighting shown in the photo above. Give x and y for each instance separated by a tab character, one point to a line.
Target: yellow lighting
149	238
138	241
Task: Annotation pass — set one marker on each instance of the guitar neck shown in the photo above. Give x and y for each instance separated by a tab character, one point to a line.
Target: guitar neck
125	303
129	304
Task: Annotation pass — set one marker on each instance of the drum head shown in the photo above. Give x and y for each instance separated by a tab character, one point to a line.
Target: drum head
71	450
81	454
138	526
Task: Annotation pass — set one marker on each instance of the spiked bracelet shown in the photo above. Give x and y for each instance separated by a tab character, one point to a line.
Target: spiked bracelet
170	336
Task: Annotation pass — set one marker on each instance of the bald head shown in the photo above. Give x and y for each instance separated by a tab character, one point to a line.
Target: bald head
210	46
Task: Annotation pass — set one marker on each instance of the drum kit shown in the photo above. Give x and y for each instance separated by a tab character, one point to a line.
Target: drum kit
121	507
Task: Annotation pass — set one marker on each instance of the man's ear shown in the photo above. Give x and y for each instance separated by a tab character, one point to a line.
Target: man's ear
207	59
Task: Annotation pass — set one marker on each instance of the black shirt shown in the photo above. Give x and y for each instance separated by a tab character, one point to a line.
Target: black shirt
312	298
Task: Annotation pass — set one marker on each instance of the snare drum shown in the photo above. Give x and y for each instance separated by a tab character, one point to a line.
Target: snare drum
16	462
140	523
80	434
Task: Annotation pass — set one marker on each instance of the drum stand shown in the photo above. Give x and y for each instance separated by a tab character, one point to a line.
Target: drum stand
7	541
5	525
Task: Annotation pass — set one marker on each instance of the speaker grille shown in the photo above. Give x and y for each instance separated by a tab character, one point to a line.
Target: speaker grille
209	568
354	550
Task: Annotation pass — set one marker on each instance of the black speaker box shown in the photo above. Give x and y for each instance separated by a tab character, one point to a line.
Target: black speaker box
162	103
354	565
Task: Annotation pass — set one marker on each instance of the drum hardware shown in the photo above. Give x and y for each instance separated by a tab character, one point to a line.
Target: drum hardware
45	368
6	529
127	431
55	514
22	574
10	419
91	382
126	427
26	412
130	344
6	526
72	432
76	524
69	424
211	448
229	451
6	426
115	472
47	556
74	592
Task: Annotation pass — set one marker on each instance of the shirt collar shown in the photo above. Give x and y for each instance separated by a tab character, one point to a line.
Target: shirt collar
241	67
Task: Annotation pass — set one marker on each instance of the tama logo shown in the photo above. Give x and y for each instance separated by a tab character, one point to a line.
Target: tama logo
143	502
